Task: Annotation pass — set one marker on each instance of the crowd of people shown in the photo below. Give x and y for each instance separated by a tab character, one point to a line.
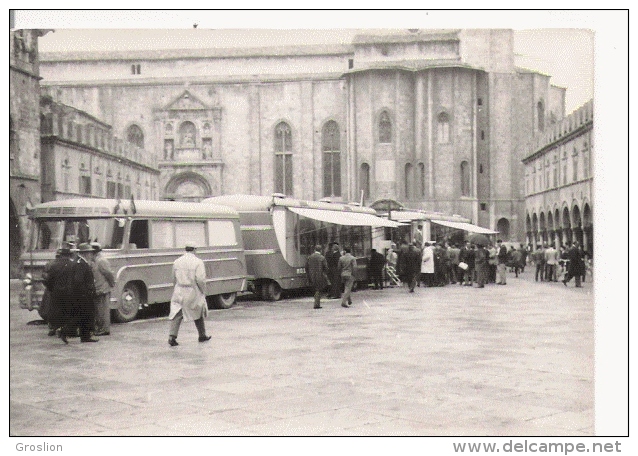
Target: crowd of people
77	296
439	264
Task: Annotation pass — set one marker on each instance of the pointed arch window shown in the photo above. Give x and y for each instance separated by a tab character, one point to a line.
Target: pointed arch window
465	178
421	167
443	128
409	178
331	147
283	159
385	128
364	178
135	136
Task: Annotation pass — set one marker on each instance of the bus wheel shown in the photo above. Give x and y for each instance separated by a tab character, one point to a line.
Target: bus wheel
224	300
129	304
271	291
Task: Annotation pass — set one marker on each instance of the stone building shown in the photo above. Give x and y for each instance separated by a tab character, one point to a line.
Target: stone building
559	183
57	151
81	158
439	120
24	135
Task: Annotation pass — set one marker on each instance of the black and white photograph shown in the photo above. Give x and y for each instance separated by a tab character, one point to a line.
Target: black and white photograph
319	223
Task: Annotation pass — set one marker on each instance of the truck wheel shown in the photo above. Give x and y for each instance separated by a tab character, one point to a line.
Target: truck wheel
272	291
224	301
129	304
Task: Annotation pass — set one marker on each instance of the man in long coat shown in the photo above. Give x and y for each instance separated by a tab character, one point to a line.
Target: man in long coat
332	258
80	290
57	277
317	272
189	296
375	269
576	267
427	265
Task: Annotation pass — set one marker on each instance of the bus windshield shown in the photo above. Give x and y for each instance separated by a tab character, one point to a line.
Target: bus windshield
50	234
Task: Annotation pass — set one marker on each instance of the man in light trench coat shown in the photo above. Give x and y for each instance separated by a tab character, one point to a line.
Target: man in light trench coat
189	296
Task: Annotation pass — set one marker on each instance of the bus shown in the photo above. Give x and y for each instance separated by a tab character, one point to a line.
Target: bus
141	240
279	233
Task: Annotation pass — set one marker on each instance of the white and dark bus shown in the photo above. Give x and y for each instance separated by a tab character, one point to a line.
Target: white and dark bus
141	240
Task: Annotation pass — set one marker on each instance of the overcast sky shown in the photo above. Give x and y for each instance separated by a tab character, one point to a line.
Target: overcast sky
565	53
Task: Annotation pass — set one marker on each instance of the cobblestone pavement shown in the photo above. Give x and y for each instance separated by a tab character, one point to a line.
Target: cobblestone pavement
515	360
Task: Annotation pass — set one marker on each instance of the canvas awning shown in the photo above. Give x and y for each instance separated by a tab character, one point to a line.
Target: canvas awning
343	217
465	226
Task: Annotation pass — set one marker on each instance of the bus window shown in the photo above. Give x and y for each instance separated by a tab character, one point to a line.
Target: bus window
162	235
139	234
307	236
46	235
190	232
221	232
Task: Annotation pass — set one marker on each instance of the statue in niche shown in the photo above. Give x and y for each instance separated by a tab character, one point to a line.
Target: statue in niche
187	135
168	150
169	129
206	129
208	149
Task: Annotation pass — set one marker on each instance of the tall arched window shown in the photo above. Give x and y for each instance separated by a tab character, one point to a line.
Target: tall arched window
385	128
421	180
540	107
465	178
409	180
135	136
443	128
331	146
283	159
364	180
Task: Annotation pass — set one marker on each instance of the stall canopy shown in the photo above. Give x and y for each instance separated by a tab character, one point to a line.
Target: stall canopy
465	226
343	217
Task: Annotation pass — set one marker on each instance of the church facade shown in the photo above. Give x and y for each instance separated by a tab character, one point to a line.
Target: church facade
439	120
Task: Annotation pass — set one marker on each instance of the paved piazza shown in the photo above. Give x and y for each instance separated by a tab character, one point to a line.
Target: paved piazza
515	360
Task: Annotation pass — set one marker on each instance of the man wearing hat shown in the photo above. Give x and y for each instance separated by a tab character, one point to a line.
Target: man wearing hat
189	296
79	285
104	282
55	276
317	272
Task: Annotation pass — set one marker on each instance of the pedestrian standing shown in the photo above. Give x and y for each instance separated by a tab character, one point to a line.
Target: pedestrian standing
413	258
453	253
347	267
480	263
188	302
427	265
332	258
539	260
104	282
375	269
492	262
551	263
501	267
57	279
317	272
401	261
82	293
